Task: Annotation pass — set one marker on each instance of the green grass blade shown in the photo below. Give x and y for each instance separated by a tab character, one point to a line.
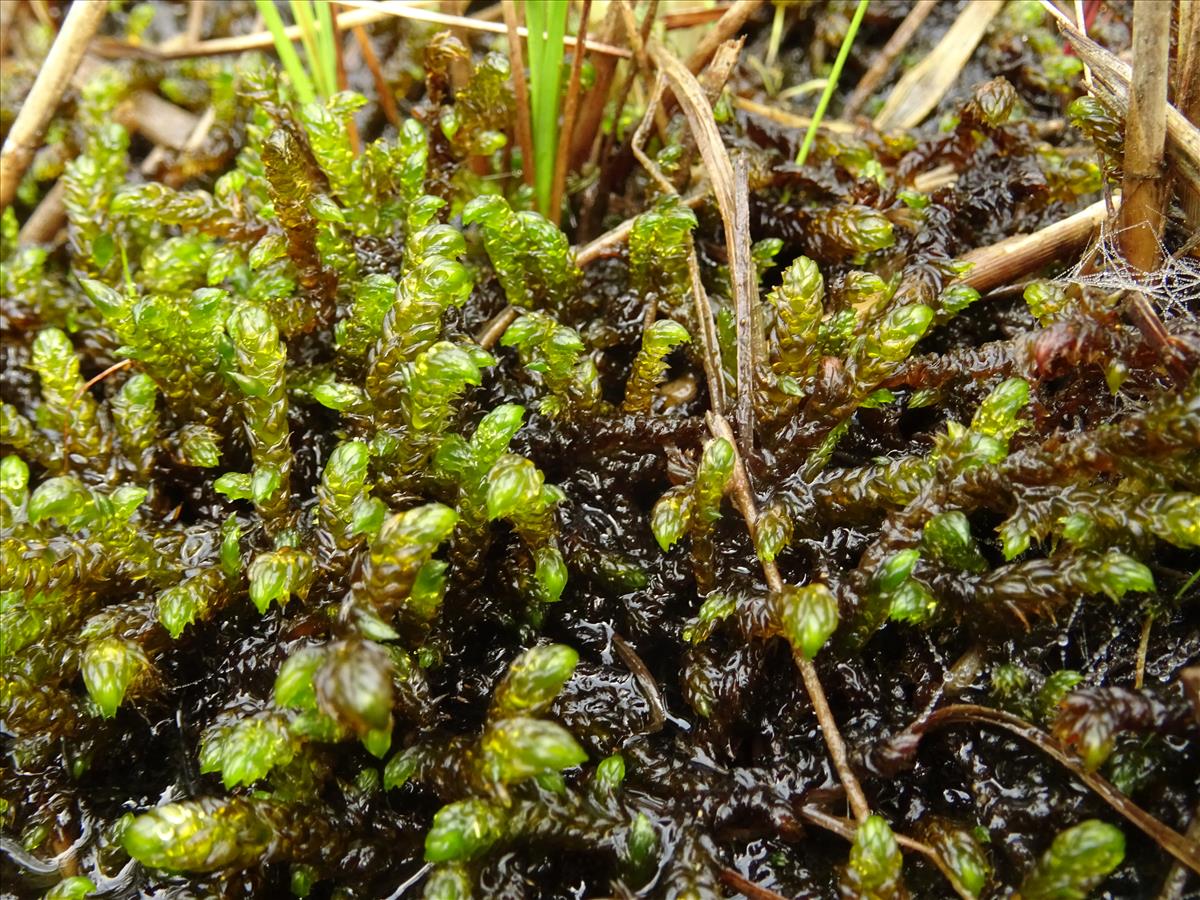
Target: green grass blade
831	86
302	12
327	46
287	53
547	22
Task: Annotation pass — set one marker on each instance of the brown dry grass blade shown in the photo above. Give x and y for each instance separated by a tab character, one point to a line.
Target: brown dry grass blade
699	112
789	120
516	53
743	499
725	28
885	57
1187	852
921	89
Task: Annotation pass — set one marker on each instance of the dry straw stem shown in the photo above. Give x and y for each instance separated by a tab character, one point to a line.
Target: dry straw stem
787	119
1185	850
386	101
846	829
47	219
1144	187
146	113
159	121
637	39
882	63
1111	78
591	111
704	131
516	52
27	130
750	342
1176	881
725	28
260	40
710	346
918	93
1187	90
1020	255
743	499
609	243
471	23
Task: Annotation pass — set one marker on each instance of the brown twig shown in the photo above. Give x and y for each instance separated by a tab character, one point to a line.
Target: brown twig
744	272
47	218
495	327
845	829
512	24
884	58
1015	257
918	93
591	110
743	499
570	109
1187	852
726	27
658	711
743	885
404	11
83	389
787	119
386	101
27	130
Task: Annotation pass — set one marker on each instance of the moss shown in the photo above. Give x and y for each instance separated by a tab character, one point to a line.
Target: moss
303	588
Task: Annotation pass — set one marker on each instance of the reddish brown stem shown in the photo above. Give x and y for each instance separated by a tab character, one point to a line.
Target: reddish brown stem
520	89
570	109
382	88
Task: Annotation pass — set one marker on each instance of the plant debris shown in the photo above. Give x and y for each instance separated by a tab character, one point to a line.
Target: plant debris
394	499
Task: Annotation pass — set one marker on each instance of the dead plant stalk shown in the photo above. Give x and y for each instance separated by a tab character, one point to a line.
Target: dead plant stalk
570	110
1145	136
27	130
743	499
512	23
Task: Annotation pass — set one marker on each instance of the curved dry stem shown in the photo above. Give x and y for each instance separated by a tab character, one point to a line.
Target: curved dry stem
1187	852
845	829
743	499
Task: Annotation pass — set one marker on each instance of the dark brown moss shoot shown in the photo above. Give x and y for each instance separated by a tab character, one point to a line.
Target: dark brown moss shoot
365	532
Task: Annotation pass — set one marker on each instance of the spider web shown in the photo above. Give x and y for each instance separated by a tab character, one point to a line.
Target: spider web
1174	287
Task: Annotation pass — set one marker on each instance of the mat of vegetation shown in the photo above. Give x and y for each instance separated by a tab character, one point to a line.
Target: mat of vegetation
420	479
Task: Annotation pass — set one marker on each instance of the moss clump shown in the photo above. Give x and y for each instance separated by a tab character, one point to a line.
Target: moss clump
303	587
